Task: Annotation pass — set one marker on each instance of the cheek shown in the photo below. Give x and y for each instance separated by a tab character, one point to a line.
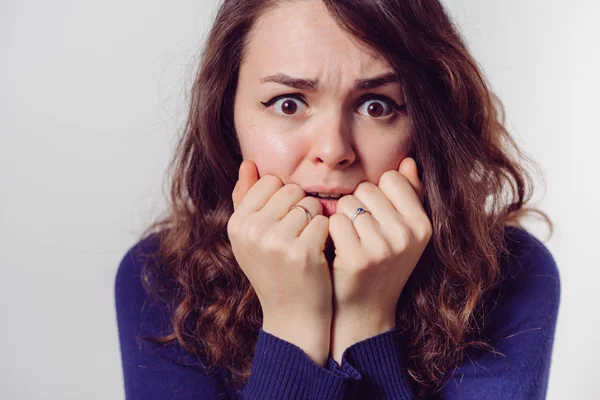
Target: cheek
273	154
381	156
275	151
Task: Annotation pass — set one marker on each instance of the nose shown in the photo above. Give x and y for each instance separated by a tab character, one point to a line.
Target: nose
333	144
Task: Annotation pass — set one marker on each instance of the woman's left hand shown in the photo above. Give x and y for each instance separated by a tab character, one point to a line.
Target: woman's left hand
376	254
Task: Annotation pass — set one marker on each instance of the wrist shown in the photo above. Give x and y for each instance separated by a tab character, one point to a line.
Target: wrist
347	331
360	322
312	339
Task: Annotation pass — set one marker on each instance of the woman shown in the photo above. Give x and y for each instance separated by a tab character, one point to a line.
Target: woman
367	247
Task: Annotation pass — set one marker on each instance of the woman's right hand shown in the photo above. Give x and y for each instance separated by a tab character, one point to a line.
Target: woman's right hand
283	258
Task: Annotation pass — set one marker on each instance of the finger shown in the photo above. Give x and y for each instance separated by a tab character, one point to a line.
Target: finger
248	176
374	200
401	193
316	231
278	206
365	225
408	168
295	222
259	193
386	216
344	236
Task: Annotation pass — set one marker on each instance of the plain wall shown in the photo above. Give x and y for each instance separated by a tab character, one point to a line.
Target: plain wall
92	95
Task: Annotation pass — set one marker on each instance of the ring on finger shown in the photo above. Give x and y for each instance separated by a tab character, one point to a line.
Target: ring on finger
308	214
359	210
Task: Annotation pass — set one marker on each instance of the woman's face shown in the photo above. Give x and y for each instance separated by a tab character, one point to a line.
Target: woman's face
321	128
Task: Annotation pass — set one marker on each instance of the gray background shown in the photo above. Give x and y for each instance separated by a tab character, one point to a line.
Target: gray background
91	96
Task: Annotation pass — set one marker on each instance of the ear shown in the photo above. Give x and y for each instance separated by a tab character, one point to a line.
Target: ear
408	168
248	176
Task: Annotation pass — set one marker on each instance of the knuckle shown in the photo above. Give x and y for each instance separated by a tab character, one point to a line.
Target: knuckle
271	243
314	204
233	225
319	219
345	199
293	190
423	227
360	265
336	219
388	177
365	187
255	232
427	230
299	255
273	181
401	239
382	250
322	218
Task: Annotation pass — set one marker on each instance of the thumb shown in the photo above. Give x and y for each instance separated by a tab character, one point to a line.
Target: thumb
408	168
248	176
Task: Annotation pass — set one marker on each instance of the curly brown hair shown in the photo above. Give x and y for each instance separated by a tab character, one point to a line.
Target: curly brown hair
473	173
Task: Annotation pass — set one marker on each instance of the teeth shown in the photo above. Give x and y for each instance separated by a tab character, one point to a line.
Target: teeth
328	196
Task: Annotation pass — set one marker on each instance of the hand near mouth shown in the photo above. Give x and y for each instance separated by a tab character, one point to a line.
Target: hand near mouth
375	254
285	256
280	250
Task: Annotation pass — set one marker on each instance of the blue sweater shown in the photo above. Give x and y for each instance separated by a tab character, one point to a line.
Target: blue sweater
521	326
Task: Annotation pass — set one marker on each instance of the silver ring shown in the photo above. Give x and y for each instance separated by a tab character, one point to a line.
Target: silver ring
308	215
359	210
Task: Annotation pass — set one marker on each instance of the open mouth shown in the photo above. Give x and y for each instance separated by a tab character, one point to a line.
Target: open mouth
329	205
326	196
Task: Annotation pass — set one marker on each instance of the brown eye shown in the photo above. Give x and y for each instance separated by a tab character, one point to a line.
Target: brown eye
286	105
289	107
376	108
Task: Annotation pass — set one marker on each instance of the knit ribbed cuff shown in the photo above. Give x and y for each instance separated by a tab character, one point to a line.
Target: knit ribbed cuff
347	370
379	361
283	371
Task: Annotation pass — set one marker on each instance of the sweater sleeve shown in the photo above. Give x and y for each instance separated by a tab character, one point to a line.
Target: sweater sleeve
152	371
280	370
520	327
378	360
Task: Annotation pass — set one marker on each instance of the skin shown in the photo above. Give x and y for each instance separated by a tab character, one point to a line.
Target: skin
330	141
331	138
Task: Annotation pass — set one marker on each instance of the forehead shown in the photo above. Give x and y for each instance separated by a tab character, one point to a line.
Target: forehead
302	38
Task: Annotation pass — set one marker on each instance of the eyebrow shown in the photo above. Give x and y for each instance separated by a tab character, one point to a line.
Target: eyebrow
313	84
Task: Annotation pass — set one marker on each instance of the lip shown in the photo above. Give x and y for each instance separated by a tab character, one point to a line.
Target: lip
329	206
